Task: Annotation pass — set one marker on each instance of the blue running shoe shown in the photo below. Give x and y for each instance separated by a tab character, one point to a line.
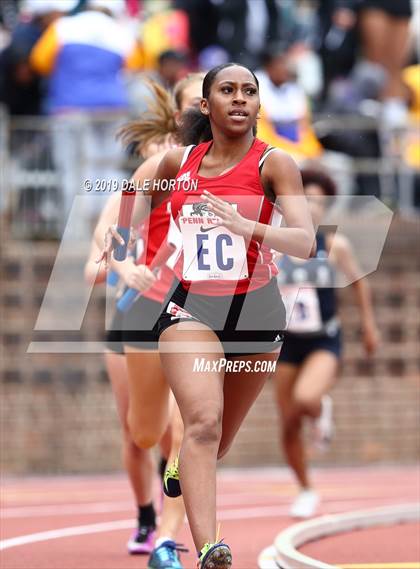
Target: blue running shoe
166	556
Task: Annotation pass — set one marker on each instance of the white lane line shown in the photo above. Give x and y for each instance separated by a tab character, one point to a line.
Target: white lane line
65	532
234	514
105	507
273	511
66	509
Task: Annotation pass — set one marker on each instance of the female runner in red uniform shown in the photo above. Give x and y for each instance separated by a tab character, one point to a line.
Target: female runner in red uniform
141	391
227	301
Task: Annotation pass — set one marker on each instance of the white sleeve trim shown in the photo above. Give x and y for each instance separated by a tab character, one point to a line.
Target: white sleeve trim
261	162
187	152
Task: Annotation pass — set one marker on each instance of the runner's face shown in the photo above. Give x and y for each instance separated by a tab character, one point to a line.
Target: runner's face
191	96
317	202
233	102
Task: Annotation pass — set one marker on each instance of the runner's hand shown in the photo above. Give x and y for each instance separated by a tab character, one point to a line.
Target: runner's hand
111	235
370	339
228	216
139	277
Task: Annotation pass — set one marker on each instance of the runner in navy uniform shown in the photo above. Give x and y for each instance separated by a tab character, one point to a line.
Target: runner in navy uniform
309	360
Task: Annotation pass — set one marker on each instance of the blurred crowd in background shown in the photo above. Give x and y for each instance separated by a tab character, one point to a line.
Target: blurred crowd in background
340	80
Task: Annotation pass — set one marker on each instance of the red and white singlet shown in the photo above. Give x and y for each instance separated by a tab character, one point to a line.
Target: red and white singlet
214	261
154	232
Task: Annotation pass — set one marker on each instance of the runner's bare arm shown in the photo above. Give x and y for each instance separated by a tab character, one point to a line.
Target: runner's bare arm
160	167
298	238
108	217
167	168
141	177
281	173
342	256
109	214
164	165
92	273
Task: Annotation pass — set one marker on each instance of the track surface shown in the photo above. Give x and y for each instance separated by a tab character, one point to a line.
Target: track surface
89	519
398	545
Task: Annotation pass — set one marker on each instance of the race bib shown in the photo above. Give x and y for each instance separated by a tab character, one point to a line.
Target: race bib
303	313
211	252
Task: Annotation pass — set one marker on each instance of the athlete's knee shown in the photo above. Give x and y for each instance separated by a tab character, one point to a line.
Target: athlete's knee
142	436
205	427
144	440
306	404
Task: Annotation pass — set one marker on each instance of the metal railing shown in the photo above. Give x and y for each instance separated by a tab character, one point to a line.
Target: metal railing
45	161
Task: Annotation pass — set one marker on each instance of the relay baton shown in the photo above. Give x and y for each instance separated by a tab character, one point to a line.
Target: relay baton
126	301
112	278
124	221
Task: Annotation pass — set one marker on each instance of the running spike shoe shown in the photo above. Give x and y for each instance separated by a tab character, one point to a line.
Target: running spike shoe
142	540
166	556
215	556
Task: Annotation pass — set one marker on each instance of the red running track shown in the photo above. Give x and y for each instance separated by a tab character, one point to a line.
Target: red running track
394	544
89	519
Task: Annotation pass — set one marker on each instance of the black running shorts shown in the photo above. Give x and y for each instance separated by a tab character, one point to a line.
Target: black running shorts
245	324
139	323
296	349
113	338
